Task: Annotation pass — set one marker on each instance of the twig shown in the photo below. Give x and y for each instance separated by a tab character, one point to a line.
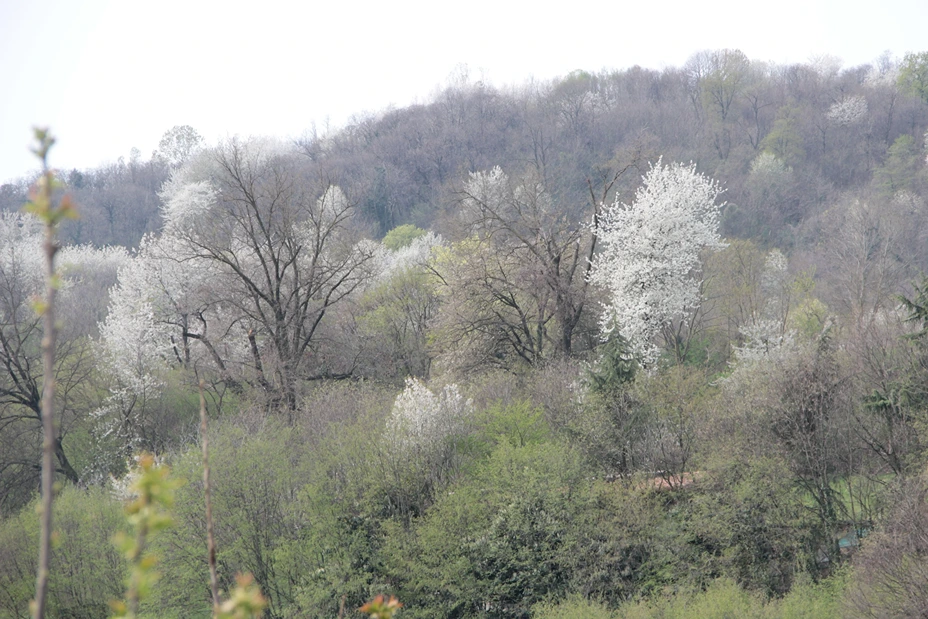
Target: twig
210	540
41	205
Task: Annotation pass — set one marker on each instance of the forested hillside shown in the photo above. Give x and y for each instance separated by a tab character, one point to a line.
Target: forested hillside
629	344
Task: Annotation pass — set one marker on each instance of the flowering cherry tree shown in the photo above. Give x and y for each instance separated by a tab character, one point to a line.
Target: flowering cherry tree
422	418
250	261
649	262
848	111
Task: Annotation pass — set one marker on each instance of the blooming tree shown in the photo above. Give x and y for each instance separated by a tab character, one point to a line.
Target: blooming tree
395	311
249	262
848	111
514	279
421	418
84	275
649	261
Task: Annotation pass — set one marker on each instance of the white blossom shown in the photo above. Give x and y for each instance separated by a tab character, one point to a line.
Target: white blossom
650	253
21	257
86	272
416	255
767	336
121	487
774	276
421	418
764	339
925	142
848	111
882	74
184	203
767	169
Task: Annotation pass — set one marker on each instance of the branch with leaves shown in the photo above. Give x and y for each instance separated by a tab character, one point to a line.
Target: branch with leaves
42	204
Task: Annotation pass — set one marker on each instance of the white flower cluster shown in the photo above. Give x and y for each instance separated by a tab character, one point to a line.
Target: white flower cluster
421	418
22	260
651	251
848	111
185	203
85	260
768	169
416	255
22	263
882	75
767	337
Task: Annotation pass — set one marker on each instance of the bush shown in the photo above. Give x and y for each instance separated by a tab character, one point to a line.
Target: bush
86	569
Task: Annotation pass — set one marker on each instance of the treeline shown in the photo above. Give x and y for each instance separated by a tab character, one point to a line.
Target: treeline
836	130
506	354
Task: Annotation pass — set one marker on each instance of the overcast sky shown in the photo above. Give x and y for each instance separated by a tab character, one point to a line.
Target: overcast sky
110	75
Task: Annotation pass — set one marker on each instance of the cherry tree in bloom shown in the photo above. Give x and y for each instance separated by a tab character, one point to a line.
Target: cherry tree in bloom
767	337
254	253
422	418
416	255
649	262
848	111
159	306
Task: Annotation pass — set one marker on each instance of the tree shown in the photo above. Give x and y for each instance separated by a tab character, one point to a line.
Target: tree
401	236
891	576
718	78
178	144
84	273
650	260
517	280
159	311
870	248
902	168
280	252
396	309
797	402
913	74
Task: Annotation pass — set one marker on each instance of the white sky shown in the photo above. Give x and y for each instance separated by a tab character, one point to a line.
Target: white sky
109	75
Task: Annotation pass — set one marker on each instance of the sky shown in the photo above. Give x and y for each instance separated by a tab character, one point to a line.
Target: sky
111	75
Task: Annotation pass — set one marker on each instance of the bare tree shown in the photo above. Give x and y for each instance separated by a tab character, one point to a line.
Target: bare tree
283	253
524	284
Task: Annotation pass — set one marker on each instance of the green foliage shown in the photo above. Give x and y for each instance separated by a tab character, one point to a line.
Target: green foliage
615	369
811	600
902	167
575	607
393	325
785	137
913	74
255	474
510	516
723	599
499	541
86	568
517	423
917	307
608	429
401	236
751	524
151	498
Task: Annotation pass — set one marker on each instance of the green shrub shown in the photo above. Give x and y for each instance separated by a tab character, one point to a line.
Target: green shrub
86	569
